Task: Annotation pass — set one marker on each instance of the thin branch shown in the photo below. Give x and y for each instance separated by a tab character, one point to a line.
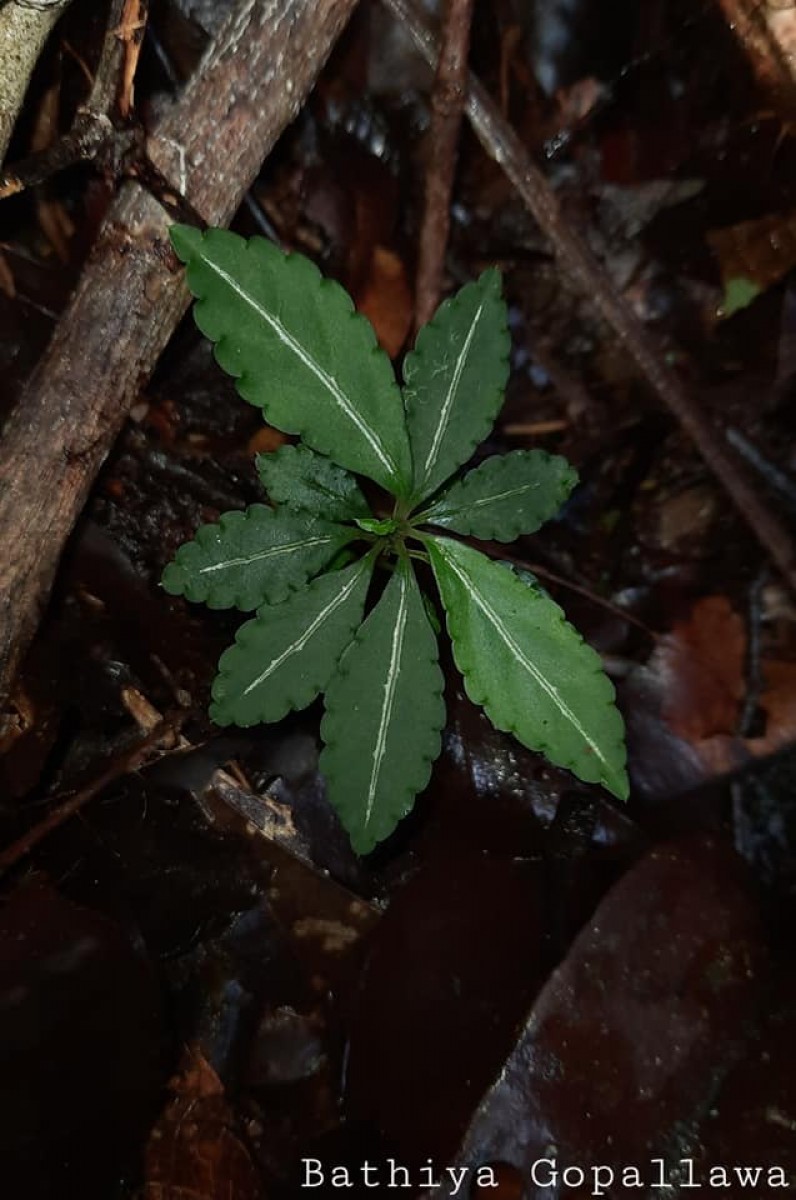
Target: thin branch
131	33
95	134
160	738
504	146
211	143
447	107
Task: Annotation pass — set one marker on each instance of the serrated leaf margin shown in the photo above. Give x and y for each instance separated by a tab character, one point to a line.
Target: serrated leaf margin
313	687
336	536
468	525
465	666
415	783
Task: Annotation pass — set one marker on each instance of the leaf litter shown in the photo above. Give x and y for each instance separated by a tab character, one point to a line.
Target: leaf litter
266	956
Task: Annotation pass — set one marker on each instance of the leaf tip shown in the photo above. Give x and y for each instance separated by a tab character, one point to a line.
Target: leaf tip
491	280
618	784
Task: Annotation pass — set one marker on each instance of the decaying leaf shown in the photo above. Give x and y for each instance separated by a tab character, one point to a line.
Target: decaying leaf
753	256
194	1150
698	672
653	996
700	664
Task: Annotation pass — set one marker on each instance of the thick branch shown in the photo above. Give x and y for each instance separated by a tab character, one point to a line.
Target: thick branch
447	105
211	143
24	28
503	145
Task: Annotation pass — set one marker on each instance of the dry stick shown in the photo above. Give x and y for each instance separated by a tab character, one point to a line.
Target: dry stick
502	144
93	132
131	33
211	142
127	762
447	106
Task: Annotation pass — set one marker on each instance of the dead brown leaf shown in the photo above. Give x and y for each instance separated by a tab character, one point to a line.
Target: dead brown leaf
386	299
700	672
701	664
194	1149
760	252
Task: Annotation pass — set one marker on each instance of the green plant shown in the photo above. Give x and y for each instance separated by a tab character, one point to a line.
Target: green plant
300	352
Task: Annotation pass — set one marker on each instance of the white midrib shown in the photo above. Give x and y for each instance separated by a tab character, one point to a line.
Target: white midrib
389	701
450	396
287	339
301	641
517	491
516	650
272	552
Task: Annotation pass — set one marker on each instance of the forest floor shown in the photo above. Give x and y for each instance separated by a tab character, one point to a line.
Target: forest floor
201	983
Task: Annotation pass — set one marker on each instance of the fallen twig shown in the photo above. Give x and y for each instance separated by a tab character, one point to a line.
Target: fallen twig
504	146
211	143
95	133
447	106
131	34
129	761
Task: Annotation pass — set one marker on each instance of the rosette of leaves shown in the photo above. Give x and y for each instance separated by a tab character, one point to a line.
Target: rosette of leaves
324	620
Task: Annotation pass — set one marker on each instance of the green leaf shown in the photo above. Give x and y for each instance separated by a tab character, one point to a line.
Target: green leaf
285	657
298	349
738	294
250	557
301	479
381	526
454	381
529	669
384	713
506	496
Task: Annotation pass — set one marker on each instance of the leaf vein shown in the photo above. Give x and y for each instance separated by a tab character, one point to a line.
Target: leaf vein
287	339
298	645
272	552
532	670
388	702
453	387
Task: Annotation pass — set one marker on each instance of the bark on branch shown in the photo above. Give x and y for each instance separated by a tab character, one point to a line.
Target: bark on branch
447	104
24	28
211	143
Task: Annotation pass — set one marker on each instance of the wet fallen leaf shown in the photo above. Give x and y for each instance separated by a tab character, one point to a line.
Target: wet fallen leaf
753	256
194	1150
465	939
625	1043
700	664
